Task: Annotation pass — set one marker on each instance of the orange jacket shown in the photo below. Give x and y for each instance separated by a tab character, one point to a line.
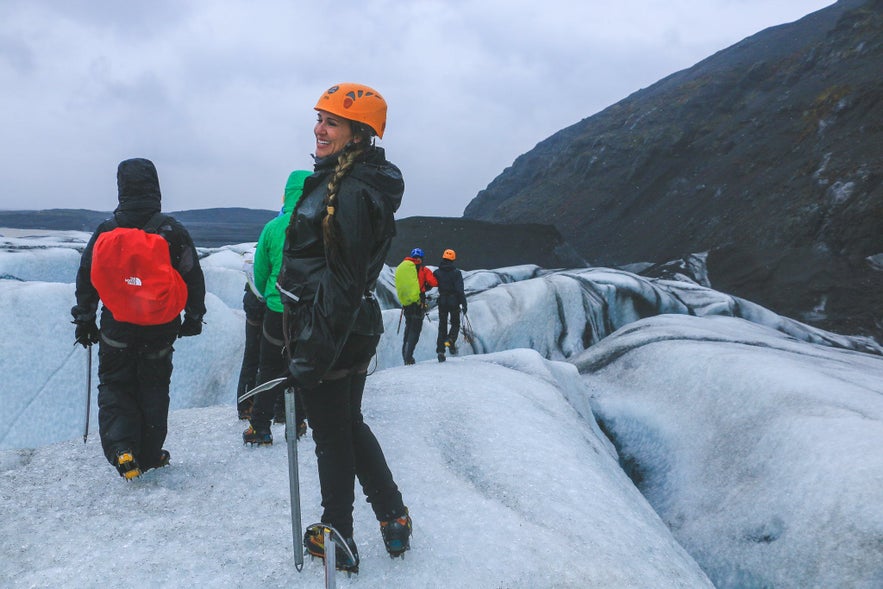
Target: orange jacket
426	278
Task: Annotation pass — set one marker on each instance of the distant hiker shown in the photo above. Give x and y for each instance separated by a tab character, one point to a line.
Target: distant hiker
451	300
337	242
142	298
253	304
267	262
413	279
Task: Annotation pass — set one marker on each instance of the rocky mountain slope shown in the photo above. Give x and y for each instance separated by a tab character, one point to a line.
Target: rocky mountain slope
768	155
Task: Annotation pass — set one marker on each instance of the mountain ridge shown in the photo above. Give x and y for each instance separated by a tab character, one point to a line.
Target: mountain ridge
765	155
479	244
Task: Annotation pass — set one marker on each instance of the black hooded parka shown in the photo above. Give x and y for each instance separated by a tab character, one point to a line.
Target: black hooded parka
334	326
330	297
135	361
139	199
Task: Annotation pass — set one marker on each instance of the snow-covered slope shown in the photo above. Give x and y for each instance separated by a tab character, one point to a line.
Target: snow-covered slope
754	437
507	484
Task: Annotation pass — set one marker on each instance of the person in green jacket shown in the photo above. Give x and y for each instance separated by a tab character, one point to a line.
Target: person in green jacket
273	364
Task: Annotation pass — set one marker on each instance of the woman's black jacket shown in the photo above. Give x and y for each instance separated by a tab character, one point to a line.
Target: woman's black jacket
329	297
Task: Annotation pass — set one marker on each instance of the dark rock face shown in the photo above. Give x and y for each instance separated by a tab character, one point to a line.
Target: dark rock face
768	155
482	245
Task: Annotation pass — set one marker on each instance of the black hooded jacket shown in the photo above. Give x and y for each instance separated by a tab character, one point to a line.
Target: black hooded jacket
139	199
450	286
330	297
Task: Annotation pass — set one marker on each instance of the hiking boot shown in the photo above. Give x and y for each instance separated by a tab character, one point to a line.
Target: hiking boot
163	461
409	361
451	347
441	357
397	535
126	465
314	545
244	409
257	438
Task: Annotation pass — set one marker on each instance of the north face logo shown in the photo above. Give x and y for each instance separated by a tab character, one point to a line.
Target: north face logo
133	281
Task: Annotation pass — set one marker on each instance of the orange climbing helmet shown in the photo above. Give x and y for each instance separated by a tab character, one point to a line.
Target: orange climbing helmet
355	102
449	255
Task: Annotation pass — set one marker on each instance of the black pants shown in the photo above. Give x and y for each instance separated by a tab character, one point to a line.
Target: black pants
445	334
273	364
413	326
133	401
346	447
254	317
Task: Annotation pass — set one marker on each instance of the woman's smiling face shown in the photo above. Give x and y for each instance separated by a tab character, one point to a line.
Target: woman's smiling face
332	133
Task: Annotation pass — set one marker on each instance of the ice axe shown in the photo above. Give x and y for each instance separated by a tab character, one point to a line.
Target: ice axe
261	388
88	389
293	478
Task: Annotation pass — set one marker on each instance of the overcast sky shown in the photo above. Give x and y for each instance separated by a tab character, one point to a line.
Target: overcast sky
220	94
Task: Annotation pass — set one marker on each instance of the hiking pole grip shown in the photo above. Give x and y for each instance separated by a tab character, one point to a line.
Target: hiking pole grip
88	389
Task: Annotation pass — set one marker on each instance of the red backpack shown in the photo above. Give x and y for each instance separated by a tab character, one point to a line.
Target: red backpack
133	274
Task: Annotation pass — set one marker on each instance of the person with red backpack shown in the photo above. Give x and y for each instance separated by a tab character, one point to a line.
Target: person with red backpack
412	280
143	267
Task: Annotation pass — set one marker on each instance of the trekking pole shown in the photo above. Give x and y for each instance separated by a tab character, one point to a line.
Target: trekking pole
426	309
88	389
402	314
293	479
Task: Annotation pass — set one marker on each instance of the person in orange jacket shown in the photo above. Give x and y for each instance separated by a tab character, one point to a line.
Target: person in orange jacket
412	281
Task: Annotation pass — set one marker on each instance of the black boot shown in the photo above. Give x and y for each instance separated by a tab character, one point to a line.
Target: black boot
314	544
257	437
126	465
160	462
397	534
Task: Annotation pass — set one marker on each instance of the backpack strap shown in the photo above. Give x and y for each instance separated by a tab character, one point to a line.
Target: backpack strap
153	224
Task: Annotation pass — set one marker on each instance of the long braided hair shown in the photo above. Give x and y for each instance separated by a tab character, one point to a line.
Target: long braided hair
330	227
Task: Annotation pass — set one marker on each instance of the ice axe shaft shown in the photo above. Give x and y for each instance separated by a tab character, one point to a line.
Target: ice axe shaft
88	389
293	478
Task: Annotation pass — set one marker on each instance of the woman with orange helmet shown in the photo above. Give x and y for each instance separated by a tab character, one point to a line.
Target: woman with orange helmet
337	241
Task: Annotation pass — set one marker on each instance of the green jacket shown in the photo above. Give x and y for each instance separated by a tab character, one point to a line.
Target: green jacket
268	253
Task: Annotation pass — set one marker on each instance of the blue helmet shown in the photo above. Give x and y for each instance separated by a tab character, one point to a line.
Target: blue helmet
416	253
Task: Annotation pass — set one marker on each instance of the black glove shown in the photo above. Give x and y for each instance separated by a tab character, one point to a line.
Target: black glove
190	326
86	333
